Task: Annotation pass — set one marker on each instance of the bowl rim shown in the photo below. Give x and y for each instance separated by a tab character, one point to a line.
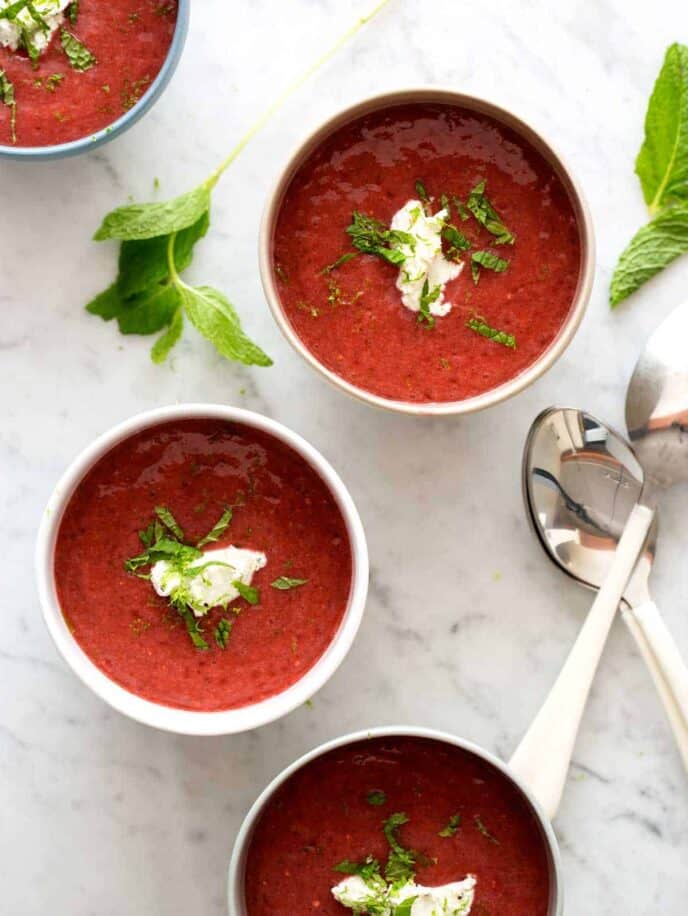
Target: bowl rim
184	721
237	862
124	121
481	105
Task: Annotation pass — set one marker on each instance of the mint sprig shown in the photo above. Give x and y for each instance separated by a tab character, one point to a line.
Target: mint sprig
157	241
662	167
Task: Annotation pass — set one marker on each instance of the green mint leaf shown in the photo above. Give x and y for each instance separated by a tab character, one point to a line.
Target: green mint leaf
284	583
12	11
162	346
215	317
483	829
488	260
404	908
480	326
218	528
370	869
7	98
73	11
452	826
653	247
460	208
371	236
376	798
222	631
193	627
457	242
662	163
147	536
247	592
144	263
53	81
400	862
487	216
342	259
79	56
147	221
149	311
107	304
421	192
169	521
427	297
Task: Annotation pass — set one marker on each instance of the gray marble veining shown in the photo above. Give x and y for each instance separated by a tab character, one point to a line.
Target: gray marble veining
467	624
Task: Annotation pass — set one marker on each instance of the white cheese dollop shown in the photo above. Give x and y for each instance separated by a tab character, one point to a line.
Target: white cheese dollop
12	31
454	899
424	259
212	585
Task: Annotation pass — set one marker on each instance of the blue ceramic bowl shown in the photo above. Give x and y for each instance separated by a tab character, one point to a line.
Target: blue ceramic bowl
92	141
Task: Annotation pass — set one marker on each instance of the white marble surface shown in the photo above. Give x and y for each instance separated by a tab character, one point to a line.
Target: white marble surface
466	625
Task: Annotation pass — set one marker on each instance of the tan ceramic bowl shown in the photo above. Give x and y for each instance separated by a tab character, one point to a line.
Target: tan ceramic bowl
480	106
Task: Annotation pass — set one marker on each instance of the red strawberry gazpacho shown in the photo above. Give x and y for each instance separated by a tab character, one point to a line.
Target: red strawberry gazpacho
426	253
69	68
407	826
203	564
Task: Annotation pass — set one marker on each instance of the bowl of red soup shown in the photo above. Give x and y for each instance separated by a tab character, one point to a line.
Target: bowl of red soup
428	252
202	569
406	821
76	73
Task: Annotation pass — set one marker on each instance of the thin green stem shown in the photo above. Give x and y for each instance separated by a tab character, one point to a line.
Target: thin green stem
289	91
174	276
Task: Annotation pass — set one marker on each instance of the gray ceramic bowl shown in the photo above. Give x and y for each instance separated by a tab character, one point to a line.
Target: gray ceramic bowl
92	141
481	106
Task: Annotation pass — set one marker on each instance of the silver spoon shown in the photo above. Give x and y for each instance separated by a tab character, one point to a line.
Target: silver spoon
578	509
657	420
568	434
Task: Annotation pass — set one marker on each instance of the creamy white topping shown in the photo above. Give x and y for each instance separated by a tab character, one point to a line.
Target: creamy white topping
14	32
454	899
212	584
424	258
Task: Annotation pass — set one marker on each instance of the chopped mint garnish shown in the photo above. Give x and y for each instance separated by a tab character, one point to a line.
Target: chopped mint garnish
169	521
457	242
284	583
483	829
8	99
218	528
488	260
501	337
427	297
79	56
452	827
400	862
376	798
487	216
371	236
222	631
342	259
247	592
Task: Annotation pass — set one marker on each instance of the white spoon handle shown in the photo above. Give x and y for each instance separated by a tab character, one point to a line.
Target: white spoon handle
543	757
677	716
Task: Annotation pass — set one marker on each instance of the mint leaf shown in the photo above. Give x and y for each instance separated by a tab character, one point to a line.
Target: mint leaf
487	216
653	247
216	318
162	346
427	297
400	862
480	326
452	827
107	304
147	221
371	236
247	592
405	908
488	260
218	529
284	583
79	56
144	263
376	798
483	829
662	163
457	242
7	98
169	521
149	311
222	631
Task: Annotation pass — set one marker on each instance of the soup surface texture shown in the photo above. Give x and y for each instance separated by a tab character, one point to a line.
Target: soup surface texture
197	468
332	810
351	317
56	103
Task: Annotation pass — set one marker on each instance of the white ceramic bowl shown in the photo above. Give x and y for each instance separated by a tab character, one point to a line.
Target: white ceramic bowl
181	720
237	866
480	106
